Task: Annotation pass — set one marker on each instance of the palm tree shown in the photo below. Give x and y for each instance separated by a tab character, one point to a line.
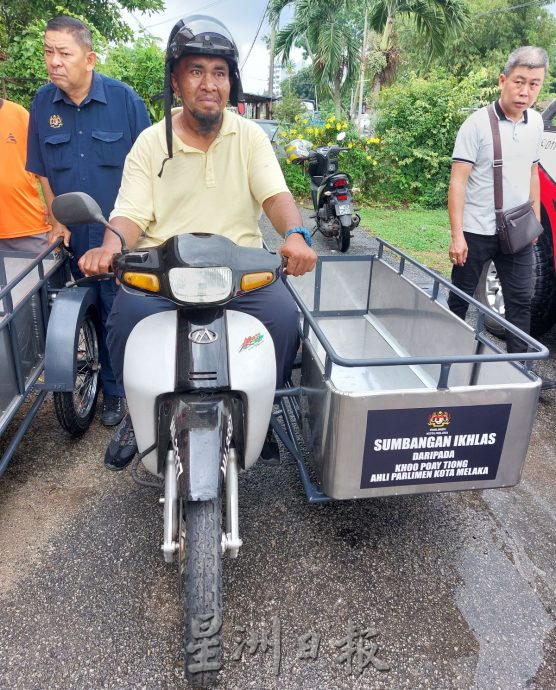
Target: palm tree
436	22
326	32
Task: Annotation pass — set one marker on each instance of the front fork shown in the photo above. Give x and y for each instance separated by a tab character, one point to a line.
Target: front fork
230	539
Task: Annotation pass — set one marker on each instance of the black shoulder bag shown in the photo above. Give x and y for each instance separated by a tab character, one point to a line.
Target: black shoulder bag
518	226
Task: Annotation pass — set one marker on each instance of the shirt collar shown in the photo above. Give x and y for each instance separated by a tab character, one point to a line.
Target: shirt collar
501	116
96	92
229	126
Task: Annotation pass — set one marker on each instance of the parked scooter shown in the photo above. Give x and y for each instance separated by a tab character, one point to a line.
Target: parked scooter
200	385
331	191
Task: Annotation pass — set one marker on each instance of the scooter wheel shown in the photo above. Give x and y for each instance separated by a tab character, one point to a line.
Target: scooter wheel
202	591
343	238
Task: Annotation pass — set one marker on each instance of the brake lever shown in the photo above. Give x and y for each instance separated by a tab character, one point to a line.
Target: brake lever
88	280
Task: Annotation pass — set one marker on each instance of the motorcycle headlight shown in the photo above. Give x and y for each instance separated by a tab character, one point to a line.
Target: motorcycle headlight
201	285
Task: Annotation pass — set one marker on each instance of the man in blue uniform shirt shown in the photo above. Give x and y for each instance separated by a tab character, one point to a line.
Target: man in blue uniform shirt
81	128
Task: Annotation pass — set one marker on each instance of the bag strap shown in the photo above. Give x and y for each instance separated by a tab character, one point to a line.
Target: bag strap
496	166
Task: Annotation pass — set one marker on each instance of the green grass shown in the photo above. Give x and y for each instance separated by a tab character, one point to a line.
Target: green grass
423	234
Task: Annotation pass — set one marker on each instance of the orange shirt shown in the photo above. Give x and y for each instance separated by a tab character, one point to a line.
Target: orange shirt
22	211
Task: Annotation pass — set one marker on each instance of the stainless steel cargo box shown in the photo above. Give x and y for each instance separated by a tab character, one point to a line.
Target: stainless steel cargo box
398	394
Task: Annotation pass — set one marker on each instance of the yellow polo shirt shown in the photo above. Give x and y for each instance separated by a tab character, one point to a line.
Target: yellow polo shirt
220	191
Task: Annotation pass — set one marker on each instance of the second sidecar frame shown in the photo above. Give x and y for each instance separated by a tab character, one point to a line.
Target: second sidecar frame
45	345
397	395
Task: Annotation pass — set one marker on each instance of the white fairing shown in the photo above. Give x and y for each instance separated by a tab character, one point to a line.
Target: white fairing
253	371
149	371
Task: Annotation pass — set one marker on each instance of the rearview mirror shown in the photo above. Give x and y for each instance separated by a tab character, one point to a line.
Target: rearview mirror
77	208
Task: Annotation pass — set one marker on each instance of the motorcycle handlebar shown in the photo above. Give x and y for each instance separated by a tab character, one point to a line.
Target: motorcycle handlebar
87	280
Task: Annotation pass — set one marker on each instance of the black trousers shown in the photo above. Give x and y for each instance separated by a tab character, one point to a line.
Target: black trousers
515	272
273	306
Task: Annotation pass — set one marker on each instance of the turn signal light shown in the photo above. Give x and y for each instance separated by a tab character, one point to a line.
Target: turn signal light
252	281
142	281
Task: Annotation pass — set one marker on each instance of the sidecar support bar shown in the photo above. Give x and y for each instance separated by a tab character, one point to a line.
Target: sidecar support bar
287	436
14	443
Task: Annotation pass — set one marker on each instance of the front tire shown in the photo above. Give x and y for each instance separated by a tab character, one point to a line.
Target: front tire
202	591
343	238
76	409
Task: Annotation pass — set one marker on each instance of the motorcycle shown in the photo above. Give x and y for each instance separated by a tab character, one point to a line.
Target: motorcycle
331	191
200	385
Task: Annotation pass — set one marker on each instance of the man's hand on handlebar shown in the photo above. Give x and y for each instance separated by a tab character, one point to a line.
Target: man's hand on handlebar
97	260
59	230
301	258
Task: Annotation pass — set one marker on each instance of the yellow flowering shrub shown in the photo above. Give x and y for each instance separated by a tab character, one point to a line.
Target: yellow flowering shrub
359	160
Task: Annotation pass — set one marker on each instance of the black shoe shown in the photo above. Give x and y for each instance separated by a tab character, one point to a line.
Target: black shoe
270	454
113	410
122	447
547	384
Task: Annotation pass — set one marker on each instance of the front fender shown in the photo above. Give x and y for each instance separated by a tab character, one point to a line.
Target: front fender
60	364
346	220
200	430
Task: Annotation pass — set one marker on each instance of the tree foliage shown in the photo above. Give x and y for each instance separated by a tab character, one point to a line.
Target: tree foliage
105	15
140	65
302	84
495	28
331	39
436	23
418	122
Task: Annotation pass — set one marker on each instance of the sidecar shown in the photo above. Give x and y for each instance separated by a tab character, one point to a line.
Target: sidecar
397	395
34	331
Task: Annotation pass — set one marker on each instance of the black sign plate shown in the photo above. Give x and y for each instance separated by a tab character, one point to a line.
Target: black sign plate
433	445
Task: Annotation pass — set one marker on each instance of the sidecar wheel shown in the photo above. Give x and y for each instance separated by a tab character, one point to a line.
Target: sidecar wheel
202	591
343	238
76	409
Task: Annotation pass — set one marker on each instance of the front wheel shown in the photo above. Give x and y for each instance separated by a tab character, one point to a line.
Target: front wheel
343	238
76	409
202	591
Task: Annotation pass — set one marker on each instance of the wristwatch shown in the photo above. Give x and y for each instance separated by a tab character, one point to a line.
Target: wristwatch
302	230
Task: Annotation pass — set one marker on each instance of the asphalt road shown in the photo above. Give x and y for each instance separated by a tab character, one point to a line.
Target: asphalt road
456	590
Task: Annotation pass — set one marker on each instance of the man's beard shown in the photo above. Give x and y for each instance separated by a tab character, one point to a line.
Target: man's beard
208	122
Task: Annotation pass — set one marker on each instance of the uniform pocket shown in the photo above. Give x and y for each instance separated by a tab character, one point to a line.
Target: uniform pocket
109	147
58	151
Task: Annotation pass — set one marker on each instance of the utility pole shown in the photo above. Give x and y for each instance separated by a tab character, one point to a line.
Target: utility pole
362	74
271	68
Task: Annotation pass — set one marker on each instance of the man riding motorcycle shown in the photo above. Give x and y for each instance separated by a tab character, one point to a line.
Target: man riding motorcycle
202	169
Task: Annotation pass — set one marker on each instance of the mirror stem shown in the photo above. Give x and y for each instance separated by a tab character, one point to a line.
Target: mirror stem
125	250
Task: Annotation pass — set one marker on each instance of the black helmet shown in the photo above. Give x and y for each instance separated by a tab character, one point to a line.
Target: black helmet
199	35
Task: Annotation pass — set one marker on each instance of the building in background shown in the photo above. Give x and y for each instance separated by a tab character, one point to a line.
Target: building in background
277	80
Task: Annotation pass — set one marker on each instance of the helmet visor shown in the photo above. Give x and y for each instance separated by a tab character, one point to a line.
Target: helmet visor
202	35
